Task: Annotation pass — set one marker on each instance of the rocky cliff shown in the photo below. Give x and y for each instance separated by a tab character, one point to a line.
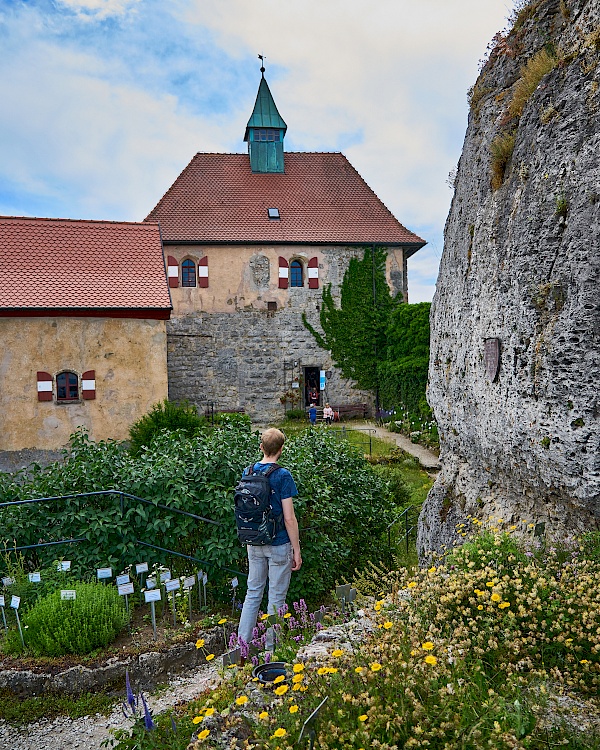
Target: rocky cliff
515	364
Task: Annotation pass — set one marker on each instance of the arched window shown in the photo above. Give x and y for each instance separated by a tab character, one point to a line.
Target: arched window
67	386
296	273
188	273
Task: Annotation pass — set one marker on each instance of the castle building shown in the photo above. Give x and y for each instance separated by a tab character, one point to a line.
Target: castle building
250	240
83	311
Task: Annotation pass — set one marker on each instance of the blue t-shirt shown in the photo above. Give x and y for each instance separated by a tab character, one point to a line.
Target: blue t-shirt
283	485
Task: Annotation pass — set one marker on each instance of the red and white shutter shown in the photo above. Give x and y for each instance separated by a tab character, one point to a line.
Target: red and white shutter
173	272
284	273
88	384
203	272
313	273
44	386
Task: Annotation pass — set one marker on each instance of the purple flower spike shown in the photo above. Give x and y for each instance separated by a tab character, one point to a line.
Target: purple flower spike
148	723
244	648
233	641
267	657
254	661
173	725
131	699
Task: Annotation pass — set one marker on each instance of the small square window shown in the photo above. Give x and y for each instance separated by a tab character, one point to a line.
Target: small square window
271	306
273	213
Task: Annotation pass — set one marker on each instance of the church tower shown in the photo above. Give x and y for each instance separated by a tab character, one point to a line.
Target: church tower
265	132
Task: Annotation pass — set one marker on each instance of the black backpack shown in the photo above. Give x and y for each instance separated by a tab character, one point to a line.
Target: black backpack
254	517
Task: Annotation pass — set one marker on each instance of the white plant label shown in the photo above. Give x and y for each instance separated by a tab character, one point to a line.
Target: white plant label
141	568
8	581
63	566
200	576
152	596
68	594
2	601
205	579
125	588
104	573
189	582
35	578
121	580
172	585
235	583
15	601
150	583
165	576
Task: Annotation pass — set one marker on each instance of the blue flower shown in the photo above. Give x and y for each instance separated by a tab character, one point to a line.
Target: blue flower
148	723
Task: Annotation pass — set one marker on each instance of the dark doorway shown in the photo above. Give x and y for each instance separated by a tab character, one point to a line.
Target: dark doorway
312	394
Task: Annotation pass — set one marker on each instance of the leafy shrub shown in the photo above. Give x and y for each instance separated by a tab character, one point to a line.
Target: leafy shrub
233	419
13	566
342	501
396	486
54	627
167	415
501	149
296	415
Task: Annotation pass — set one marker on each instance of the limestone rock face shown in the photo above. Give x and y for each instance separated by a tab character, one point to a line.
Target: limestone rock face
521	264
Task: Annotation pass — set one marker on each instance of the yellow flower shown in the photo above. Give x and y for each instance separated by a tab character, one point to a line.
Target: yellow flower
297	678
322	670
222	621
287	614
503	605
264	617
279	733
209	657
331	670
204	734
263	715
480	606
429	659
298	667
196	719
209	711
411	585
387	625
200	643
241	700
432	569
293	709
377	606
364	717
303	688
281	690
568	641
358	670
375	667
279	679
489	583
584	661
496	597
427	646
337	652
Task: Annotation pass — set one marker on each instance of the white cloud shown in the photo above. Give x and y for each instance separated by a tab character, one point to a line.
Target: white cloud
98	122
98	9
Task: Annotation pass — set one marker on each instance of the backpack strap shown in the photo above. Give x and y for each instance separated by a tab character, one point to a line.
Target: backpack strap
271	469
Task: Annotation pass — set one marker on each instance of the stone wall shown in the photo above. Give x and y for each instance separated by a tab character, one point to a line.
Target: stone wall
521	264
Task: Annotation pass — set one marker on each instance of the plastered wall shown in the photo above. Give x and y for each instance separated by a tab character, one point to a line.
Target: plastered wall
129	359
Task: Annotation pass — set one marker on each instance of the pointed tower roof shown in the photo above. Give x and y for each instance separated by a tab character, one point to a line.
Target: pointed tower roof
265	114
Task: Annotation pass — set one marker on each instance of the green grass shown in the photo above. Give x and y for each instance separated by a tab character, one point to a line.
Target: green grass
18	711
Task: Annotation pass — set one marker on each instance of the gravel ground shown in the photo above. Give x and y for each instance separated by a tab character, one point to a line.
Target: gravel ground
89	732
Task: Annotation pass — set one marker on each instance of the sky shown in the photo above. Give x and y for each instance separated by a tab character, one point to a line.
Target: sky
104	102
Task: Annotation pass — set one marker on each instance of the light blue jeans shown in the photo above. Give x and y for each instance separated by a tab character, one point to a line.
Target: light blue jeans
274	563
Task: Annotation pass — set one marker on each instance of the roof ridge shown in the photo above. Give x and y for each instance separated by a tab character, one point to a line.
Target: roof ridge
80	221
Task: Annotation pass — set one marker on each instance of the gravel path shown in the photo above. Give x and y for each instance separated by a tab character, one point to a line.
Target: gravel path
89	732
427	458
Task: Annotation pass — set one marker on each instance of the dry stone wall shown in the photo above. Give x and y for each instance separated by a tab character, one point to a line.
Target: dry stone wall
521	265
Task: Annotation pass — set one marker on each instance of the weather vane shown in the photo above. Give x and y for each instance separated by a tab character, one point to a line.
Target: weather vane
262	59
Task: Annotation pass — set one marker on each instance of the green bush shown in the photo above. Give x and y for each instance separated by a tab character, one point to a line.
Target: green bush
296	415
167	415
54	627
232	419
396	486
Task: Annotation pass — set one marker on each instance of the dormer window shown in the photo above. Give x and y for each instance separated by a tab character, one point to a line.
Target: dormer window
266	134
273	213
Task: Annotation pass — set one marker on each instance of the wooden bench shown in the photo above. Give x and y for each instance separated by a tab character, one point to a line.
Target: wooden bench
349	410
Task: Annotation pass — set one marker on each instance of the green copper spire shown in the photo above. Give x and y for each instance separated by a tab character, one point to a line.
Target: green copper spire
265	132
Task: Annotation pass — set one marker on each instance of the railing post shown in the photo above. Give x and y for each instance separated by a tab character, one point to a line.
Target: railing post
406	527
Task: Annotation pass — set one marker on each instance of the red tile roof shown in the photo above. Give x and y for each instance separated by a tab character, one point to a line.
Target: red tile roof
321	199
66	264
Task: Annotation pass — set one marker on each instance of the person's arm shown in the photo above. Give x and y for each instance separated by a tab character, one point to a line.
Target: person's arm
291	526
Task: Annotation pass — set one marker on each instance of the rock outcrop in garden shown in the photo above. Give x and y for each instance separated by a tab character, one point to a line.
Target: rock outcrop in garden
515	364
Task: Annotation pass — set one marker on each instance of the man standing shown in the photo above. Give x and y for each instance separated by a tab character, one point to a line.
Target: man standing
277	560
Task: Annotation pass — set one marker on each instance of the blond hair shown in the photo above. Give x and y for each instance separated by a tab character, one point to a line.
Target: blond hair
272	441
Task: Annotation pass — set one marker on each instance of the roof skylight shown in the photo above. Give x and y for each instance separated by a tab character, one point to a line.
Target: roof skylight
273	213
